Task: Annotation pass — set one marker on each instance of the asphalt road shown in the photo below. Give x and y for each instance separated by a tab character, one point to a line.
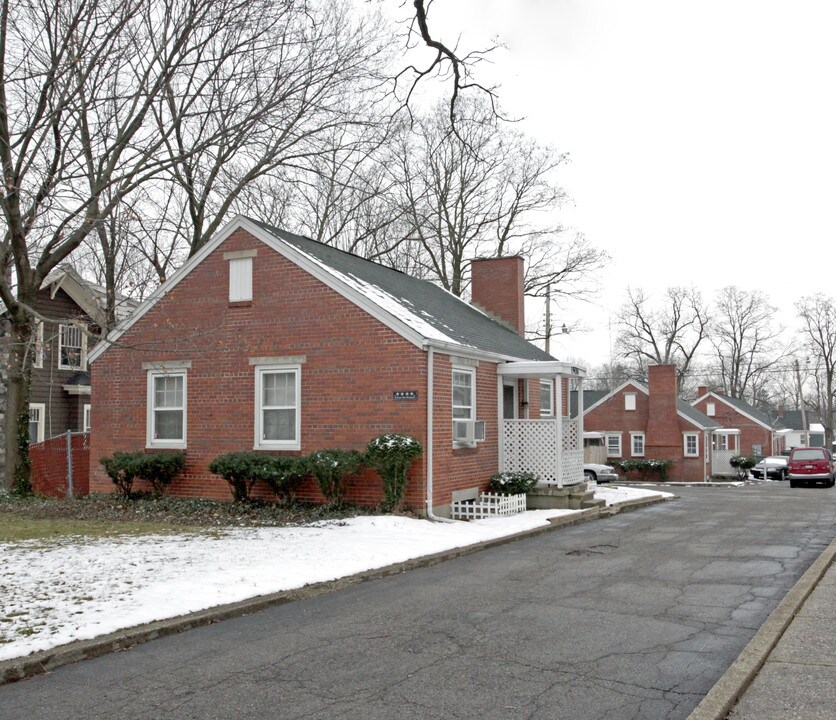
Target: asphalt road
634	616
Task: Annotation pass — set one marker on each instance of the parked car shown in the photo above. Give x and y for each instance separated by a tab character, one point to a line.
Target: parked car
811	465
600	473
776	468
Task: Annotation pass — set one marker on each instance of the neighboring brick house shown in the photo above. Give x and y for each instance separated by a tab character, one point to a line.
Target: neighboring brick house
59	397
745	429
270	341
652	422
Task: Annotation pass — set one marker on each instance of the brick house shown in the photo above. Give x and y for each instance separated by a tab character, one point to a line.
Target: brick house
269	341
651	422
745	429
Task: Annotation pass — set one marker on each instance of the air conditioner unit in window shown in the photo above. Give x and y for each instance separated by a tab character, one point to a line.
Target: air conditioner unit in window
467	432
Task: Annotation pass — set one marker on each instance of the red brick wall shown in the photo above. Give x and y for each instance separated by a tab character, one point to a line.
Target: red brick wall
49	466
751	432
497	285
353	365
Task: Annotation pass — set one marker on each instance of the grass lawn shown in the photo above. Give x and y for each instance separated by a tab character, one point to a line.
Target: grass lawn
15	527
111	515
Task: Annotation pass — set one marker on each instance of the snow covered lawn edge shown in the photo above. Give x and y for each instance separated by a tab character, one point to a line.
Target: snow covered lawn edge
75	600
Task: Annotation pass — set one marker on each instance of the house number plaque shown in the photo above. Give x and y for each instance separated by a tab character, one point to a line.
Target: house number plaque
405	395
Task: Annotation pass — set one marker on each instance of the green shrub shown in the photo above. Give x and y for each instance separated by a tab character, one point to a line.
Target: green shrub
391	455
331	468
742	464
283	475
241	470
513	483
645	467
121	468
158	469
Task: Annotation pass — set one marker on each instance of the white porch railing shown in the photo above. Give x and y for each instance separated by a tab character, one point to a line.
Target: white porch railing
530	445
720	462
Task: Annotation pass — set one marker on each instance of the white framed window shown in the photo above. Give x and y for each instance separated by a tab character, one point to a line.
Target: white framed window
710	409
464	405
637	444
691	445
72	348
547	398
278	415
241	279
166	423
629	401
38	360
721	442
37	422
614	445
85	424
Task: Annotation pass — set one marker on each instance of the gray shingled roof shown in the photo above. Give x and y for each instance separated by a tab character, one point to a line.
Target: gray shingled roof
440	309
791	420
695	415
590	397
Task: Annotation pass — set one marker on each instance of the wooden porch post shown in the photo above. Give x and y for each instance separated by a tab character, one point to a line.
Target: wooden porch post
500	423
558	430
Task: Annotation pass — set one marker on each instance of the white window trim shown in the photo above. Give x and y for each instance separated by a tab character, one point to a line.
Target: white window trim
633	436
240	279
83	364
629	399
41	407
685	437
607	437
548	412
258	442
472	372
85	418
710	409
150	440
38	360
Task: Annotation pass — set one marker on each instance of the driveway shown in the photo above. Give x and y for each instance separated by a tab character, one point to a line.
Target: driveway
635	616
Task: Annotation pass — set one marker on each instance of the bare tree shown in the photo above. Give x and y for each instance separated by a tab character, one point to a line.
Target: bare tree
744	338
667	333
818	314
488	191
78	82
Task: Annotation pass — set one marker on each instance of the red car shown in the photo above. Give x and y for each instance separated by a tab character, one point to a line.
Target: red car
811	465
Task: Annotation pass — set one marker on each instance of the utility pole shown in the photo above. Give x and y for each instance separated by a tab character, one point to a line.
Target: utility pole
548	318
804	426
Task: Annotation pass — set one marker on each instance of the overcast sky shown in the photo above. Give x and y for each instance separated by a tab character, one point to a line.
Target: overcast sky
702	137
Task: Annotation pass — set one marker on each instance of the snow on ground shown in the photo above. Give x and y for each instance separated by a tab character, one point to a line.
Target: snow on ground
75	588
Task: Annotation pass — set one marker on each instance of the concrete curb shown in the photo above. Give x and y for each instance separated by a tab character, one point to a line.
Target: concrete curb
731	686
48	660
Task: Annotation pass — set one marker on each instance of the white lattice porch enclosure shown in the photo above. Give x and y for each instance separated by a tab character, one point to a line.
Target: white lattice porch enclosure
720	464
530	445
488	505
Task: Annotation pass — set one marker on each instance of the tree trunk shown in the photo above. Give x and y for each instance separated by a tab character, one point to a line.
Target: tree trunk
17	469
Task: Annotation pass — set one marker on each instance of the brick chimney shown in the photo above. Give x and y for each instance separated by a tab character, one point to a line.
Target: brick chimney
497	286
702	390
664	435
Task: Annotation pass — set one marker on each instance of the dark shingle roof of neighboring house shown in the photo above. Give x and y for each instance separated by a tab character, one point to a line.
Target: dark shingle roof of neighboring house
590	397
695	415
447	314
791	419
752	412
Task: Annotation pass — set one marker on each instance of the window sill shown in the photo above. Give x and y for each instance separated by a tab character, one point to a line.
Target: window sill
240	303
288	447
166	446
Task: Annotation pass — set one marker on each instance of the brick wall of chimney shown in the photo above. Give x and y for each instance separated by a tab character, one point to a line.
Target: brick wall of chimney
497	286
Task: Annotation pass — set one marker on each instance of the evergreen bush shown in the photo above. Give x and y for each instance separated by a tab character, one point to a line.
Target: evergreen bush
391	455
241	470
158	469
283	475
331	468
742	465
513	483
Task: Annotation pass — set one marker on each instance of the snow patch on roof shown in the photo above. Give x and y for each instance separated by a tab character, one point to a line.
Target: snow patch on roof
396	307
